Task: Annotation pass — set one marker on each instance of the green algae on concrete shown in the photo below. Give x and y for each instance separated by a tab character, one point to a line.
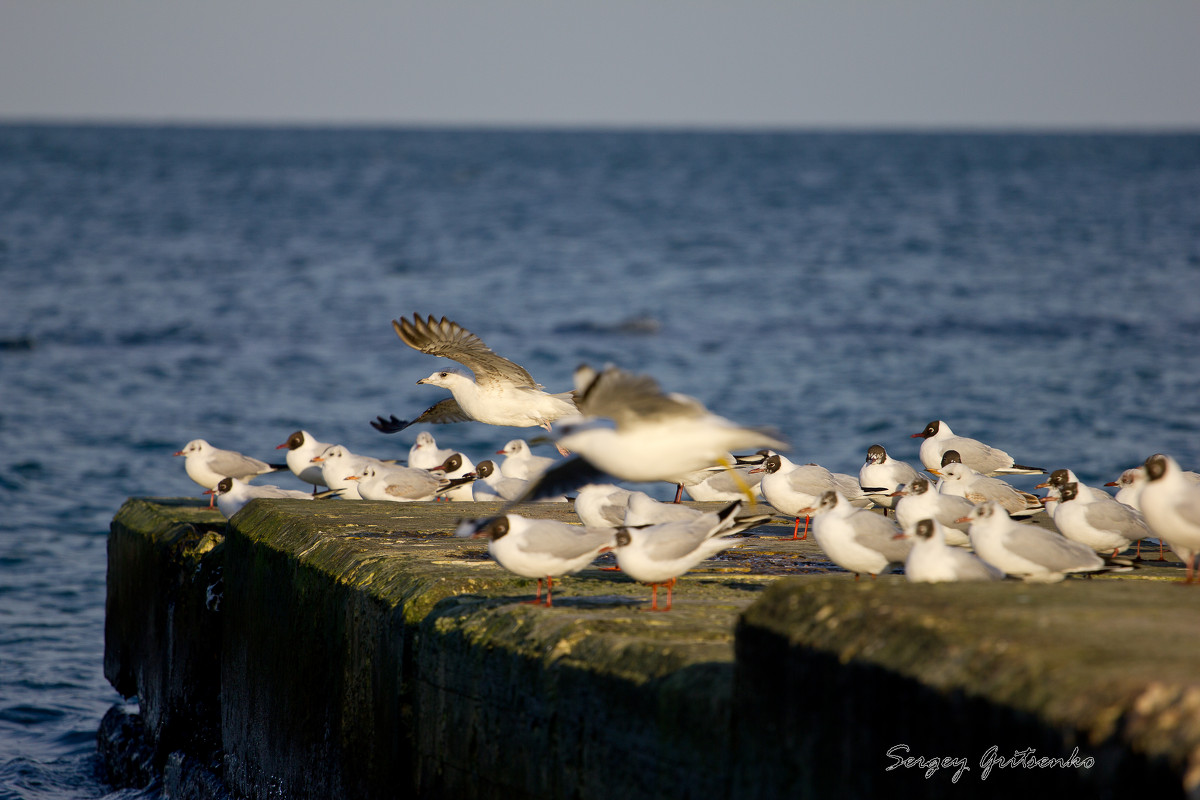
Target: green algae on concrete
1109	666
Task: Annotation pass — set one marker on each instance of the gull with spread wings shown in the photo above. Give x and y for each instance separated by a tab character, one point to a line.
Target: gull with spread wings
501	393
633	431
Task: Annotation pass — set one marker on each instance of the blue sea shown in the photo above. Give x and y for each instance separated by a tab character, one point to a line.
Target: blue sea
159	284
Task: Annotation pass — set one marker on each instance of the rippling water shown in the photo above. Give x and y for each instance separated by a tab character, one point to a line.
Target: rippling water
1040	292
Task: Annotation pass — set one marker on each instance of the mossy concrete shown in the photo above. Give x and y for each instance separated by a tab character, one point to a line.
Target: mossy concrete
364	651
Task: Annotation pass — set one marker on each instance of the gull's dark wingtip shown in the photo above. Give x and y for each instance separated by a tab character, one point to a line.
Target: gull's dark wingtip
390	424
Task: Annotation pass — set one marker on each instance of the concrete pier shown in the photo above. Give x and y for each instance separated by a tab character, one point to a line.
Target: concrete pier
355	649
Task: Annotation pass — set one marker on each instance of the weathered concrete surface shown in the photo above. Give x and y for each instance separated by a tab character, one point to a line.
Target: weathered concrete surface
366	652
1111	666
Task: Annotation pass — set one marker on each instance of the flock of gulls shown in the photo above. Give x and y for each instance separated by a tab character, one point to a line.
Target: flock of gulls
959	521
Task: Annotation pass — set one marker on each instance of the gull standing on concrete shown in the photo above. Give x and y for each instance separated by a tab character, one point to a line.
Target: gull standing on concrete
881	476
1026	551
791	488
232	494
301	447
961	480
1060	478
931	560
397	484
540	548
425	453
338	464
458	465
856	539
975	454
601	505
1171	507
1101	522
207	465
520	462
631	430
501	392
658	554
721	484
920	500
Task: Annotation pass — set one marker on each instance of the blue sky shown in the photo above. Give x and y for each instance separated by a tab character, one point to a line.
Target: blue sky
754	63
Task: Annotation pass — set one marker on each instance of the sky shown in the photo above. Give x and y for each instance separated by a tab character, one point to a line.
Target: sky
1044	64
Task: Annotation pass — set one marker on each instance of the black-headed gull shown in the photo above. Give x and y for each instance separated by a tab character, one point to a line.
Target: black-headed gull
921	500
540	548
1026	551
207	465
1171	506
501	392
301	447
338	465
631	430
658	554
233	493
458	465
931	560
881	476
791	488
975	454
601	505
1099	522
425	453
856	539
721	484
397	484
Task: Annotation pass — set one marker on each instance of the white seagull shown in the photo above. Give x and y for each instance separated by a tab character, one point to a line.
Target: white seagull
233	493
961	480
1028	552
338	465
658	554
792	488
931	560
541	548
425	453
632	431
920	500
1171	507
520	462
983	458
207	465
881	476
501	392
397	484
301	447
601	505
856	539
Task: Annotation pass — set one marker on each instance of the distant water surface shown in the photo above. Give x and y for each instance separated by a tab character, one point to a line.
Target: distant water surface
1041	292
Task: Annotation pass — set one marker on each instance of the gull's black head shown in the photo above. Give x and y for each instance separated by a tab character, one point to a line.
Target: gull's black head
925	528
951	457
876	454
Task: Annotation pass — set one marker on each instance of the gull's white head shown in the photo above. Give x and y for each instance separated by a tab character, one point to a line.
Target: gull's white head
194	447
447	379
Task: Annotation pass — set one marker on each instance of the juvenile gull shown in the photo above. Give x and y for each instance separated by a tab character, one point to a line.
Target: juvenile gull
501	392
962	481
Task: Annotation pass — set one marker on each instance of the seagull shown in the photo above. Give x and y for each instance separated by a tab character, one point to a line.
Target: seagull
721	484
458	465
399	484
1028	552
920	500
601	505
641	509
987	460
501	392
207	465
931	560
791	488
520	462
630	430
338	464
540	548
962	481
425	453
491	485
1060	478
1171	506
658	554
232	493
881	476
856	539
301	447
1101	523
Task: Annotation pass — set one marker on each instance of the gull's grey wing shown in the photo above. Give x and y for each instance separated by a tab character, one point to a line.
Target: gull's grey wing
564	541
1051	550
629	399
672	540
565	476
236	465
970	567
1114	516
450	340
982	457
442	412
417	483
878	533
